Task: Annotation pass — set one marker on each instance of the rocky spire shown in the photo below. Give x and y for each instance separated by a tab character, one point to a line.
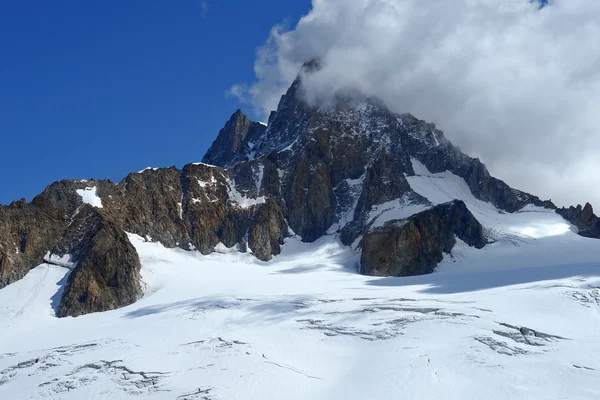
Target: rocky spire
584	219
235	141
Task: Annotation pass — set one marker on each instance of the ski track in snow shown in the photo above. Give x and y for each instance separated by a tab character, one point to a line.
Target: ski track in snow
516	320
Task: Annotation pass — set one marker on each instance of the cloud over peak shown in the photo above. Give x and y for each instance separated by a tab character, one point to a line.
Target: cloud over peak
510	81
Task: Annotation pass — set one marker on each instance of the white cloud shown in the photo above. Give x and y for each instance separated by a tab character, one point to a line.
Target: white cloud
516	85
238	91
204	7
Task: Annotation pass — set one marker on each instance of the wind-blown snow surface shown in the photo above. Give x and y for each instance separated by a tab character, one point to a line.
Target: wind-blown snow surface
516	320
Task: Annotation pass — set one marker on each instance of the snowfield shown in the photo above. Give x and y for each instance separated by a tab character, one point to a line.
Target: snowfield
519	319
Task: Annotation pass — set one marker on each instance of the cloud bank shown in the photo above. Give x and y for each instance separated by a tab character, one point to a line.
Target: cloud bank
514	82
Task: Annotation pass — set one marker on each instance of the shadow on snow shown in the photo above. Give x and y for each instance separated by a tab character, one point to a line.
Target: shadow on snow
449	282
255	311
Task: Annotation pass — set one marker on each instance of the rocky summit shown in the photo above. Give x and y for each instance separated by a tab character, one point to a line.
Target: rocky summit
344	167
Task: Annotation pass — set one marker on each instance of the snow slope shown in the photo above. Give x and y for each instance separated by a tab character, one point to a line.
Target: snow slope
89	196
530	223
516	320
226	326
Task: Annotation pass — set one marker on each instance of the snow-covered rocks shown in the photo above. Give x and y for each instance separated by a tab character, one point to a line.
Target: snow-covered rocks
416	244
89	196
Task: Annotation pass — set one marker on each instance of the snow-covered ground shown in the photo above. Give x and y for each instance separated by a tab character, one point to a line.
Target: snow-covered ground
519	319
307	326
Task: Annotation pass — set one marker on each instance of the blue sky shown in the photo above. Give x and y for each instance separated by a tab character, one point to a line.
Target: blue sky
98	89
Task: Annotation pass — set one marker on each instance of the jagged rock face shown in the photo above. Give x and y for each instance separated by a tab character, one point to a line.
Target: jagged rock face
149	204
204	205
416	245
195	208
107	275
27	232
309	193
235	141
337	161
239	206
57	222
431	148
268	230
584	219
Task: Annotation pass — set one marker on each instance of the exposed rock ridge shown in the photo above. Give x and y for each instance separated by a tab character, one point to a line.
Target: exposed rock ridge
341	158
414	246
194	208
584	219
107	271
235	141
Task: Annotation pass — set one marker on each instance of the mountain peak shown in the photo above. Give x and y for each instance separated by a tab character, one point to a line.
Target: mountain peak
312	65
351	168
235	141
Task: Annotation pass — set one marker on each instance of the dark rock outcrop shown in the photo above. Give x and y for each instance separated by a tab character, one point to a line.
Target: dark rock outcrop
416	245
584	219
309	196
149	204
268	230
194	208
27	232
235	141
107	272
340	159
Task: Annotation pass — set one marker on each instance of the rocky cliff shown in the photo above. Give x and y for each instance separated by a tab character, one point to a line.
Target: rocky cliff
584	219
84	225
235	141
415	246
314	170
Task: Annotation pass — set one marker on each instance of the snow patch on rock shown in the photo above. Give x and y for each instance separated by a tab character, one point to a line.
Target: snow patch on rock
204	184
240	199
65	261
147	169
530	223
394	210
89	196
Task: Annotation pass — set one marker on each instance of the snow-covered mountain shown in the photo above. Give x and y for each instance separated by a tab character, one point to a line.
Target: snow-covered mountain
283	266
